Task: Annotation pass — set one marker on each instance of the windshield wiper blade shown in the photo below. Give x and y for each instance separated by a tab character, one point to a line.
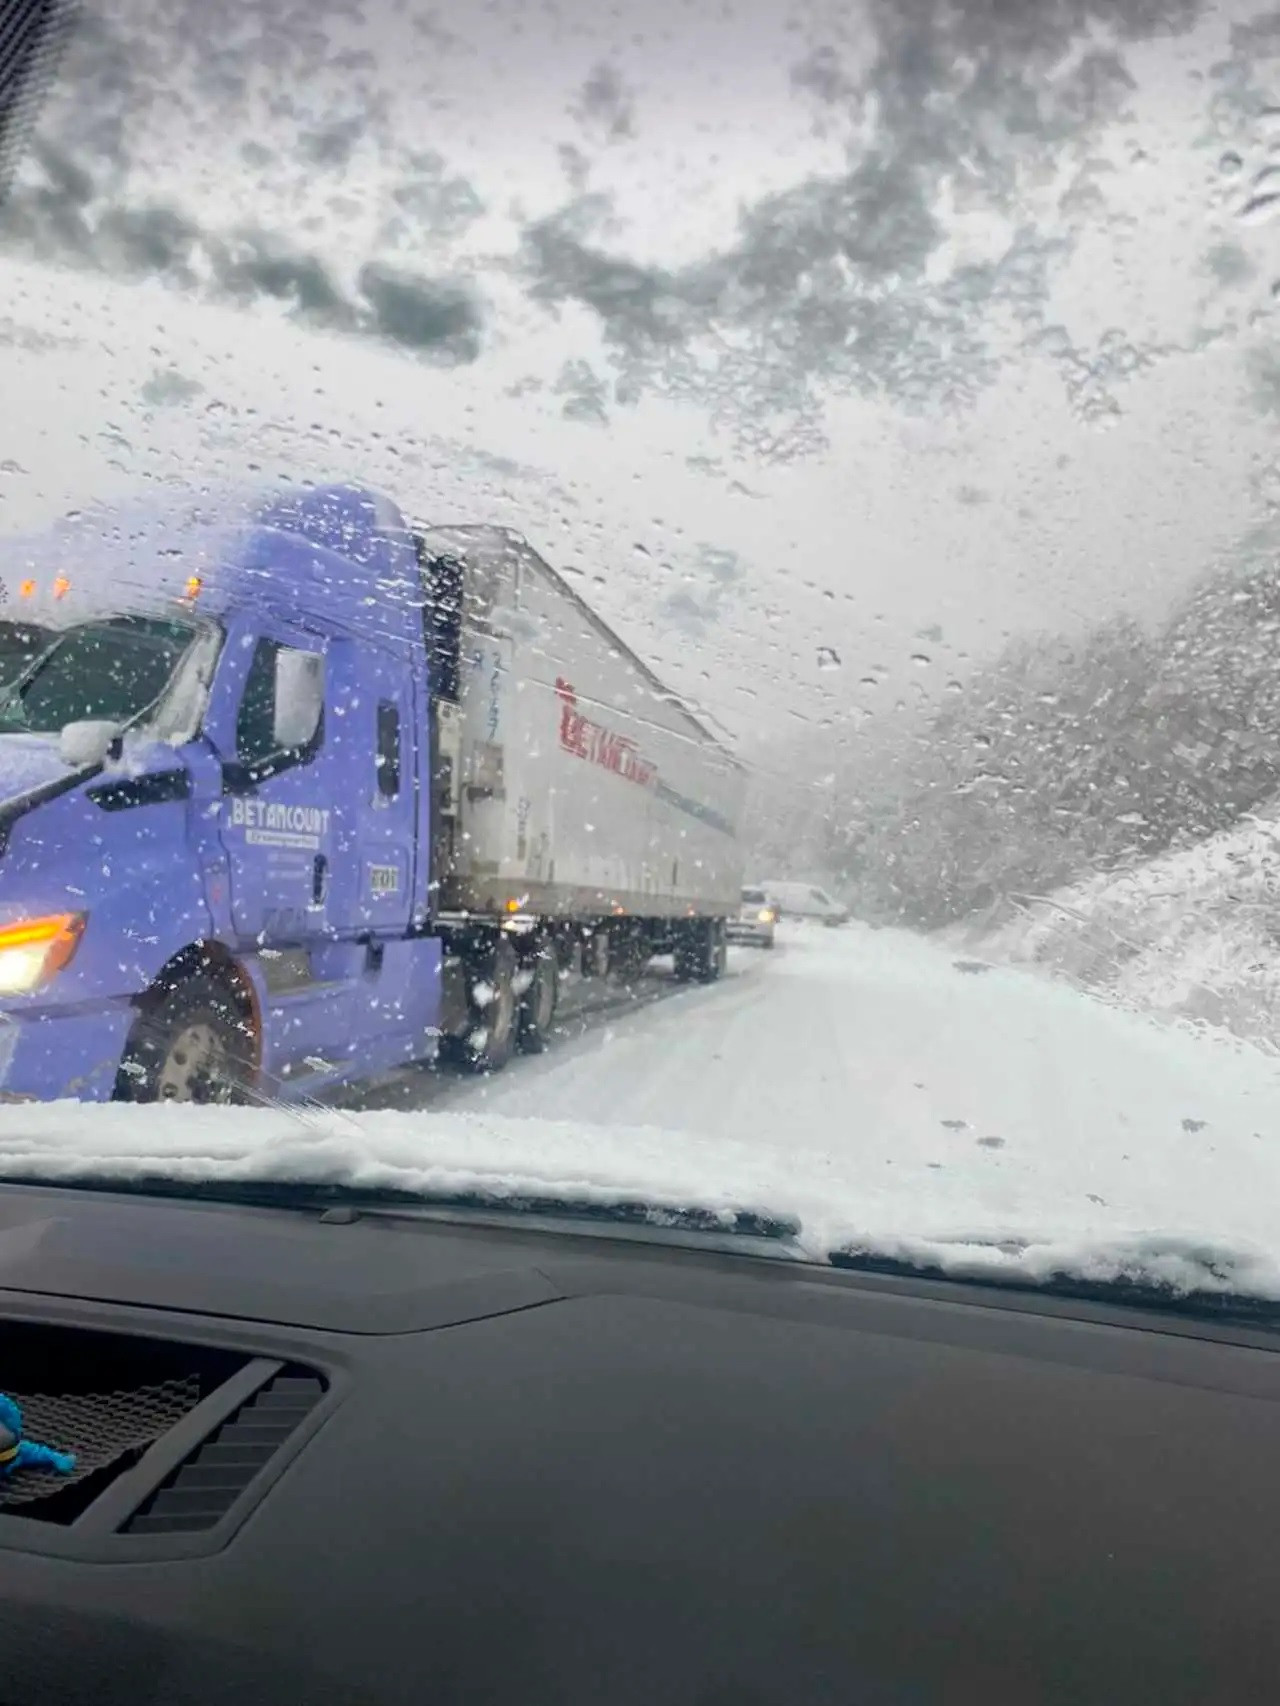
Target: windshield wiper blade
338	1200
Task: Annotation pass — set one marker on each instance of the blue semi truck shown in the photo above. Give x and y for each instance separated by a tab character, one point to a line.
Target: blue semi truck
294	791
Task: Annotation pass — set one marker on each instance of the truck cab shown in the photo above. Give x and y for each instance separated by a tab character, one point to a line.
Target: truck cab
212	805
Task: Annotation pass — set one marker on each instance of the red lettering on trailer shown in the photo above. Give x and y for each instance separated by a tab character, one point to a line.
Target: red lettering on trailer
597	744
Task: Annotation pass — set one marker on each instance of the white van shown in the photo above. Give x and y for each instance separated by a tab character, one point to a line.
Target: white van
804	900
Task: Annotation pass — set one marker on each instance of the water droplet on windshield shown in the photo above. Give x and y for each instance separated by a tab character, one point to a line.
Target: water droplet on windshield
1230	162
921	658
828	657
1260	208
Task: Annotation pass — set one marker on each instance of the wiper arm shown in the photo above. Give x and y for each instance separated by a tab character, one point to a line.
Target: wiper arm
337	1202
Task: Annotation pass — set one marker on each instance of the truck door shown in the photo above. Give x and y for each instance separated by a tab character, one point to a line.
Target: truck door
281	820
374	736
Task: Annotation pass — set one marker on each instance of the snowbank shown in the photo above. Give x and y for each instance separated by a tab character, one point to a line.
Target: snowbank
859	1082
1194	935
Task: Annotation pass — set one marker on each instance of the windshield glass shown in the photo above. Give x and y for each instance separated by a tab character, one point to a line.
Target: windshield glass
113	671
20	643
620	448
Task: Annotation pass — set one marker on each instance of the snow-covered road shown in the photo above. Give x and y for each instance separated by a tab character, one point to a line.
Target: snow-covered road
861	1080
881	1046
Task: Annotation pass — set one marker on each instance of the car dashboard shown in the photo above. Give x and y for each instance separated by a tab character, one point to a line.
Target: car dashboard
348	1457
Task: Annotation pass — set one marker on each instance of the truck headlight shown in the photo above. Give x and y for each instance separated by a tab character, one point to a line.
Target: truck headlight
32	950
766	915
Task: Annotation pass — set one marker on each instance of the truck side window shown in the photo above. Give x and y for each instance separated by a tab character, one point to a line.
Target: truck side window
260	714
388	749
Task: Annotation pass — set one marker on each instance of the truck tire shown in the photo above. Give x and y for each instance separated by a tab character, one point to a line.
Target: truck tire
491	1038
684	954
630	951
193	1044
701	951
539	1001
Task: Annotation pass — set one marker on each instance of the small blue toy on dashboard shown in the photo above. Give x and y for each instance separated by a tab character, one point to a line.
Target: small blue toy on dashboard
19	1453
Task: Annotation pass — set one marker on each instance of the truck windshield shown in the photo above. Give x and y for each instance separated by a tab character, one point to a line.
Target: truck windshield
20	643
112	670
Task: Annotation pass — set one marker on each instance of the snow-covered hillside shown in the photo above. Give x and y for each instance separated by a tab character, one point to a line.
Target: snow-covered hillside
1193	935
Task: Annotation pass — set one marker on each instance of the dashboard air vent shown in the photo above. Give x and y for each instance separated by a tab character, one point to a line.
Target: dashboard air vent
204	1487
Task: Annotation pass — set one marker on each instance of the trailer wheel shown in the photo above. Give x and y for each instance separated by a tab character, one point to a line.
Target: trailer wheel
488	1043
192	1044
684	955
701	951
630	951
538	1003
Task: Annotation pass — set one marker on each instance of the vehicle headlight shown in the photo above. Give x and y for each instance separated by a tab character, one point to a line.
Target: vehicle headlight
32	950
766	916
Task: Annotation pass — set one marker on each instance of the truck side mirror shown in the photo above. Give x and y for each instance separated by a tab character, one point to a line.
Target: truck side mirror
89	742
299	697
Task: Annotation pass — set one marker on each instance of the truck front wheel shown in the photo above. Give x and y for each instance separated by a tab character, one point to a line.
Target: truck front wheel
191	1044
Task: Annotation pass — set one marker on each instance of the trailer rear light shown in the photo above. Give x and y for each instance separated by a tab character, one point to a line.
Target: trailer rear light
27	589
32	951
61	586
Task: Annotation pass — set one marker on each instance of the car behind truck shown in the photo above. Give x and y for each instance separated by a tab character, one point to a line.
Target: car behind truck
293	792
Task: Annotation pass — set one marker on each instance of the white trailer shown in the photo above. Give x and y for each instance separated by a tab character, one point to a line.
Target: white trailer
579	806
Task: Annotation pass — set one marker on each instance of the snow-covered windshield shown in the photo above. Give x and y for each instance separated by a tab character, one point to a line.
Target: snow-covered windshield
747	657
